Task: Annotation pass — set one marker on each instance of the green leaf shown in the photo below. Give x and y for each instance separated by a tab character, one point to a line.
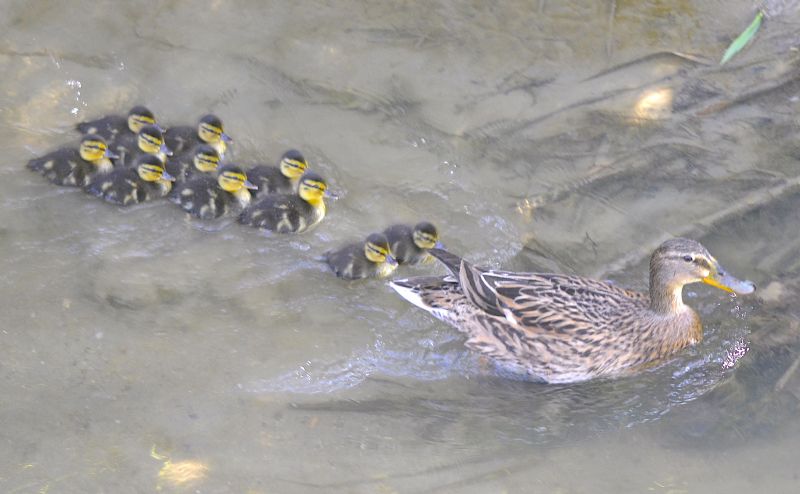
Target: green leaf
743	38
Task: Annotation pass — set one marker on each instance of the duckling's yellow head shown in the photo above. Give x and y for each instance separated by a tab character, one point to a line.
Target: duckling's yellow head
93	148
209	129
138	117
425	235
151	140
312	188
376	249
151	169
233	179
293	164
206	158
680	261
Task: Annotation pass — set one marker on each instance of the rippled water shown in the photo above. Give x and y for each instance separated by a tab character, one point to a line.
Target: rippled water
144	351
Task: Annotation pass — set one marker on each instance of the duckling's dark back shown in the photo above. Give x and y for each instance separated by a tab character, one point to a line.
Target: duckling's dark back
278	213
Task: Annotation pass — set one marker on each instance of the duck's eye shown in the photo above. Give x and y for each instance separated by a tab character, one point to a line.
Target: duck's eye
688	258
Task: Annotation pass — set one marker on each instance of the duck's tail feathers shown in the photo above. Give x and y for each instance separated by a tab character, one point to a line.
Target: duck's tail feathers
450	260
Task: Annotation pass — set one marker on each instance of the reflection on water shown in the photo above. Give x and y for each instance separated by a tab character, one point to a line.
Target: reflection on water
563	136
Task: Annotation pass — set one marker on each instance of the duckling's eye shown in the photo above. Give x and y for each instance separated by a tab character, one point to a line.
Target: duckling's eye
688	258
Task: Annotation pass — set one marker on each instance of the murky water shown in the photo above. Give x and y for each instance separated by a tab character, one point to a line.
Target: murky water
142	351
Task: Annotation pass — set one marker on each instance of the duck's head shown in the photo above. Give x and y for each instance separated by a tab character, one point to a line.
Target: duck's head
94	149
209	129
151	140
312	188
293	164
376	249
151	169
206	158
138	117
426	236
234	180
680	261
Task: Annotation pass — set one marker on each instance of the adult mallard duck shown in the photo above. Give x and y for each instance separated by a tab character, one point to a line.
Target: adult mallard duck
561	329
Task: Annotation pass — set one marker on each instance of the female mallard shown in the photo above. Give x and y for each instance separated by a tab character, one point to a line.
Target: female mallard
410	245
281	179
208	131
75	167
560	329
112	127
207	197
125	186
290	213
368	259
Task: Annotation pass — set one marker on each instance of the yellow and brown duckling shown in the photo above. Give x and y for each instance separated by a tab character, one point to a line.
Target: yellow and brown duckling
281	179
290	213
199	161
125	186
149	140
560	328
410	245
112	127
74	167
208	197
369	259
208	131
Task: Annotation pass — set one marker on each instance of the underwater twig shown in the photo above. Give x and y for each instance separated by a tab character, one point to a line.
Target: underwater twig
647	58
739	208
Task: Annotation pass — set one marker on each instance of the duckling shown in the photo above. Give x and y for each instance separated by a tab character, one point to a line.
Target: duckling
410	245
202	159
75	167
149	140
208	130
369	259
290	213
126	186
207	197
281	179
561	328
111	127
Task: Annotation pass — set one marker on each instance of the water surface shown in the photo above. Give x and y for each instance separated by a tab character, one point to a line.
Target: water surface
144	351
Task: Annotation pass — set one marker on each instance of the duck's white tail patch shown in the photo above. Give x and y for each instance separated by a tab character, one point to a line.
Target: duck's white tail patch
408	292
411	292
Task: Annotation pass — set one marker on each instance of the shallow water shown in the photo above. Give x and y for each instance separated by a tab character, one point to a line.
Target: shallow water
144	351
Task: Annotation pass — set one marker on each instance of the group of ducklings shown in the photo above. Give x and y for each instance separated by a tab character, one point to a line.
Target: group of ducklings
130	159
554	328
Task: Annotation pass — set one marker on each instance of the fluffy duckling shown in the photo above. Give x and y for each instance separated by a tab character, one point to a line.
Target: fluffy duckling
208	131
410	245
112	127
74	167
281	179
149	140
564	328
207	197
369	259
201	160
290	213
126	186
